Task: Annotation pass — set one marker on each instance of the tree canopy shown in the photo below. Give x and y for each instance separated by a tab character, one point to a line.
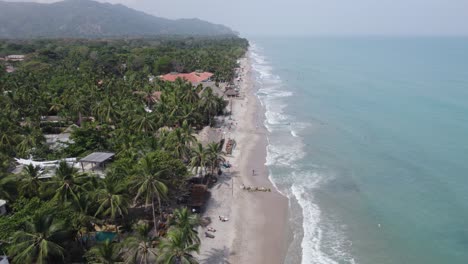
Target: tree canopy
105	95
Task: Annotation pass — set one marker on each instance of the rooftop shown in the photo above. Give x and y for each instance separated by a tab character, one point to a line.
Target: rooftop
193	77
97	157
231	92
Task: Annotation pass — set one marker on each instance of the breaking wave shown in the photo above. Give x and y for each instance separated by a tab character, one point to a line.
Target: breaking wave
284	151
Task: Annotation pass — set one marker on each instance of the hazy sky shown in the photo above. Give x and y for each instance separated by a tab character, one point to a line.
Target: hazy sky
369	17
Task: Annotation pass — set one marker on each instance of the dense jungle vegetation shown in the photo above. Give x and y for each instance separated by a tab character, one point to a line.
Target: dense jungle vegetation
103	92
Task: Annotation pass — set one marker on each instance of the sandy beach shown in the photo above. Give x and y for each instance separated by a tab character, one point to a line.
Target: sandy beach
257	229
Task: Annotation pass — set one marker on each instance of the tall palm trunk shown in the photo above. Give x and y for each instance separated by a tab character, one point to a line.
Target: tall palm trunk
154	217
80	118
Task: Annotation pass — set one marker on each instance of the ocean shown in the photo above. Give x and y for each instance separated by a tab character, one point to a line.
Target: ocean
368	137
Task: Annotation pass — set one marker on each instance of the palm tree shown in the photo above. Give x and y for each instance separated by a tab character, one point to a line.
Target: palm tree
8	137
29	181
188	132
30	140
148	91
141	246
68	183
7	185
83	219
128	145
104	110
198	160
148	185
187	223
78	104
112	198
105	253
145	121
188	113
39	241
56	105
191	95
209	103
214	156
179	142
175	249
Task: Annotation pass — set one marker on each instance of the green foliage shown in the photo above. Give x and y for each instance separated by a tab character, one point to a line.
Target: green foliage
7	186
39	241
112	197
103	88
176	248
174	171
141	246
187	223
105	253
87	139
28	209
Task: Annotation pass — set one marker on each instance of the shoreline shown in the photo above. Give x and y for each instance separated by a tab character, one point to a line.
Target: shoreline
258	230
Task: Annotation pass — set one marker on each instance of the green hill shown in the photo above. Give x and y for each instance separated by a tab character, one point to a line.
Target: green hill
90	19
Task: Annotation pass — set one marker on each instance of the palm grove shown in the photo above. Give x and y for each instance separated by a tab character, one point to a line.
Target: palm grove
106	90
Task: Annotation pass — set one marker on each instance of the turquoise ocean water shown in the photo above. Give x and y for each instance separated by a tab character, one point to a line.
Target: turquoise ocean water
368	137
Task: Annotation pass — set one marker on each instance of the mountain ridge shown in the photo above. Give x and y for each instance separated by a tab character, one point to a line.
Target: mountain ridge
91	19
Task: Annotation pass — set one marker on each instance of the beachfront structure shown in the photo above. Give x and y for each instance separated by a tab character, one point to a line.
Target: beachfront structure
193	77
231	93
3	210
198	196
96	159
14	58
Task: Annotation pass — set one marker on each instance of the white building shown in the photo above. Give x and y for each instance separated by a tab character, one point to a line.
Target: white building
14	58
2	208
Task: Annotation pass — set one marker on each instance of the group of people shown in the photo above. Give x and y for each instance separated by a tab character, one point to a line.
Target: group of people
223	218
255	189
211	229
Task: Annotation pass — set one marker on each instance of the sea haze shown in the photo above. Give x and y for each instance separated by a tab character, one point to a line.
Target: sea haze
368	138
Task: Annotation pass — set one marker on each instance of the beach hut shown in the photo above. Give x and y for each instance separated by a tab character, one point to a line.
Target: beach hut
231	93
198	196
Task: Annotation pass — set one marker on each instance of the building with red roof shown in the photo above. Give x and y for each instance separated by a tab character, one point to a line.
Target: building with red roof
193	77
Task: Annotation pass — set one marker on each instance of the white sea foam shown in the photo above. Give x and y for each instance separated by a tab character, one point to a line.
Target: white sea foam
297	127
275	118
294	134
285	155
285	150
312	240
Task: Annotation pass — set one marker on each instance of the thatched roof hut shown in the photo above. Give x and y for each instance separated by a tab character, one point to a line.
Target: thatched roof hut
231	93
198	195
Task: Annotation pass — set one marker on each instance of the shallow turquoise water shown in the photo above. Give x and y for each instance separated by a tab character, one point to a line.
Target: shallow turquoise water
368	137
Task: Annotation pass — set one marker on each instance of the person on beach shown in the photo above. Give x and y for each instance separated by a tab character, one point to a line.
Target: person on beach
253	172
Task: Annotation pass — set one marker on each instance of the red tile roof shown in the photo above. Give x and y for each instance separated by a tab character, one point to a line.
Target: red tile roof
193	77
